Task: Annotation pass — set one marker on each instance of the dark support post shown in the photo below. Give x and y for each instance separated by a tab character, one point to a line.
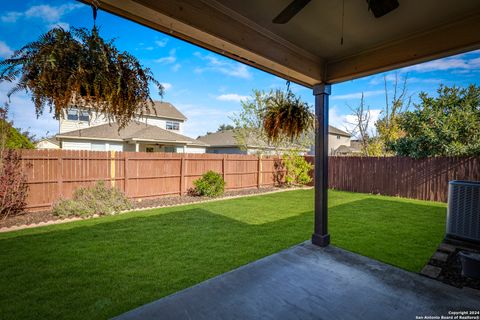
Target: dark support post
320	235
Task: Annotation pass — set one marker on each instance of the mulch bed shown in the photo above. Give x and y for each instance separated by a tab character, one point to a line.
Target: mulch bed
29	218
450	269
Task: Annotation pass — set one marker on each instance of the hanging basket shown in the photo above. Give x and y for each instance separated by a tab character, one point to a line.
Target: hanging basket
286	116
66	67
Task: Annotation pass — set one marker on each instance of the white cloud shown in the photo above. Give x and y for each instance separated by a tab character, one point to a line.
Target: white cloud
231	97
461	62
167	86
176	67
230	68
171	58
162	42
5	50
63	25
202	119
391	77
11	17
357	95
22	113
44	12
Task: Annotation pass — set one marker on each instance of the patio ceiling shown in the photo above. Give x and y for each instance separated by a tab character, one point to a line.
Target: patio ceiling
307	49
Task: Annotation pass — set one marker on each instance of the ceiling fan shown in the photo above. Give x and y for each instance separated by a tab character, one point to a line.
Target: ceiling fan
379	8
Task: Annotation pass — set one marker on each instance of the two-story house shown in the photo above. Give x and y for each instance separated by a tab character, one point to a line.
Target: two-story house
158	130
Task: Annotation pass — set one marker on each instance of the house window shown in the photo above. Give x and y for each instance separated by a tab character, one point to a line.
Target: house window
171	125
170	149
84	116
338	137
72	114
75	115
149	149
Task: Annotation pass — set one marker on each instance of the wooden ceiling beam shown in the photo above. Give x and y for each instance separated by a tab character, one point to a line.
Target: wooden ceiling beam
446	40
209	25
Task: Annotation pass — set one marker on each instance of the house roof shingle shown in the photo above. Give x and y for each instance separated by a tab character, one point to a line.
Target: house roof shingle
226	138
165	110
133	131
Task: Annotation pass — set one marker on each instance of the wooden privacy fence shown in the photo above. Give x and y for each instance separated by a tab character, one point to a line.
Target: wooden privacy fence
55	174
425	179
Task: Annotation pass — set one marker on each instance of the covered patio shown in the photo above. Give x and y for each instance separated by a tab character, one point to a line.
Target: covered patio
307	282
323	43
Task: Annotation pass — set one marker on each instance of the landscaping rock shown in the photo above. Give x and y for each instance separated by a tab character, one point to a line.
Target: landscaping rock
445	247
431	271
440	256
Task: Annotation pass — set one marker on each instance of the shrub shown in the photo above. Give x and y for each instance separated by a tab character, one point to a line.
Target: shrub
13	184
99	199
298	169
211	184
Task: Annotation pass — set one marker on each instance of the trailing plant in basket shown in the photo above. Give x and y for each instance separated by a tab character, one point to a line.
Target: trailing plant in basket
78	66
286	115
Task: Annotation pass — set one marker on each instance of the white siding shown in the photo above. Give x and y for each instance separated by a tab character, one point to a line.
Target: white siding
45	144
115	146
93	145
76	145
192	149
335	141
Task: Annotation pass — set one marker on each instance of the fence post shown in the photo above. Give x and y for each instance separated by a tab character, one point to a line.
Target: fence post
112	168
125	173
60	173
259	171
182	174
224	160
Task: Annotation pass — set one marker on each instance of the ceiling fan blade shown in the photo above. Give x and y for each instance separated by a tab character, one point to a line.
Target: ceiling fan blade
382	7
290	11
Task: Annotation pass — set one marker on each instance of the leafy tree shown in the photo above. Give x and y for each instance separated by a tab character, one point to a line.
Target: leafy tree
10	137
64	67
225	127
446	125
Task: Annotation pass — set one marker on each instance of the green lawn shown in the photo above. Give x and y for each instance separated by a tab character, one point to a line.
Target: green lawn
102	267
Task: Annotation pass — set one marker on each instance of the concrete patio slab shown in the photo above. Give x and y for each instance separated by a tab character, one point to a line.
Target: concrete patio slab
308	282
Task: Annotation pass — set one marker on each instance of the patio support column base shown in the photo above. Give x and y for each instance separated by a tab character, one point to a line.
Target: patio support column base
320	235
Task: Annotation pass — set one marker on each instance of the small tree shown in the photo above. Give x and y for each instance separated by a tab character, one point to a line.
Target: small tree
13	180
387	126
361	125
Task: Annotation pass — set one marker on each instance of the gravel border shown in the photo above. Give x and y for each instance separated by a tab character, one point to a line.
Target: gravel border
165	202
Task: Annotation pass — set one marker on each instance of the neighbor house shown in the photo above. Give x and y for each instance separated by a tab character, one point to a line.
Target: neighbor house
157	130
225	142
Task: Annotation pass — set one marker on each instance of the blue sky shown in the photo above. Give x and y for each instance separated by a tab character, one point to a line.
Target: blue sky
205	86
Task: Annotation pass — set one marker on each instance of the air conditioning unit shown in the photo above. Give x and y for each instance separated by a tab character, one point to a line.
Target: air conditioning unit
463	213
